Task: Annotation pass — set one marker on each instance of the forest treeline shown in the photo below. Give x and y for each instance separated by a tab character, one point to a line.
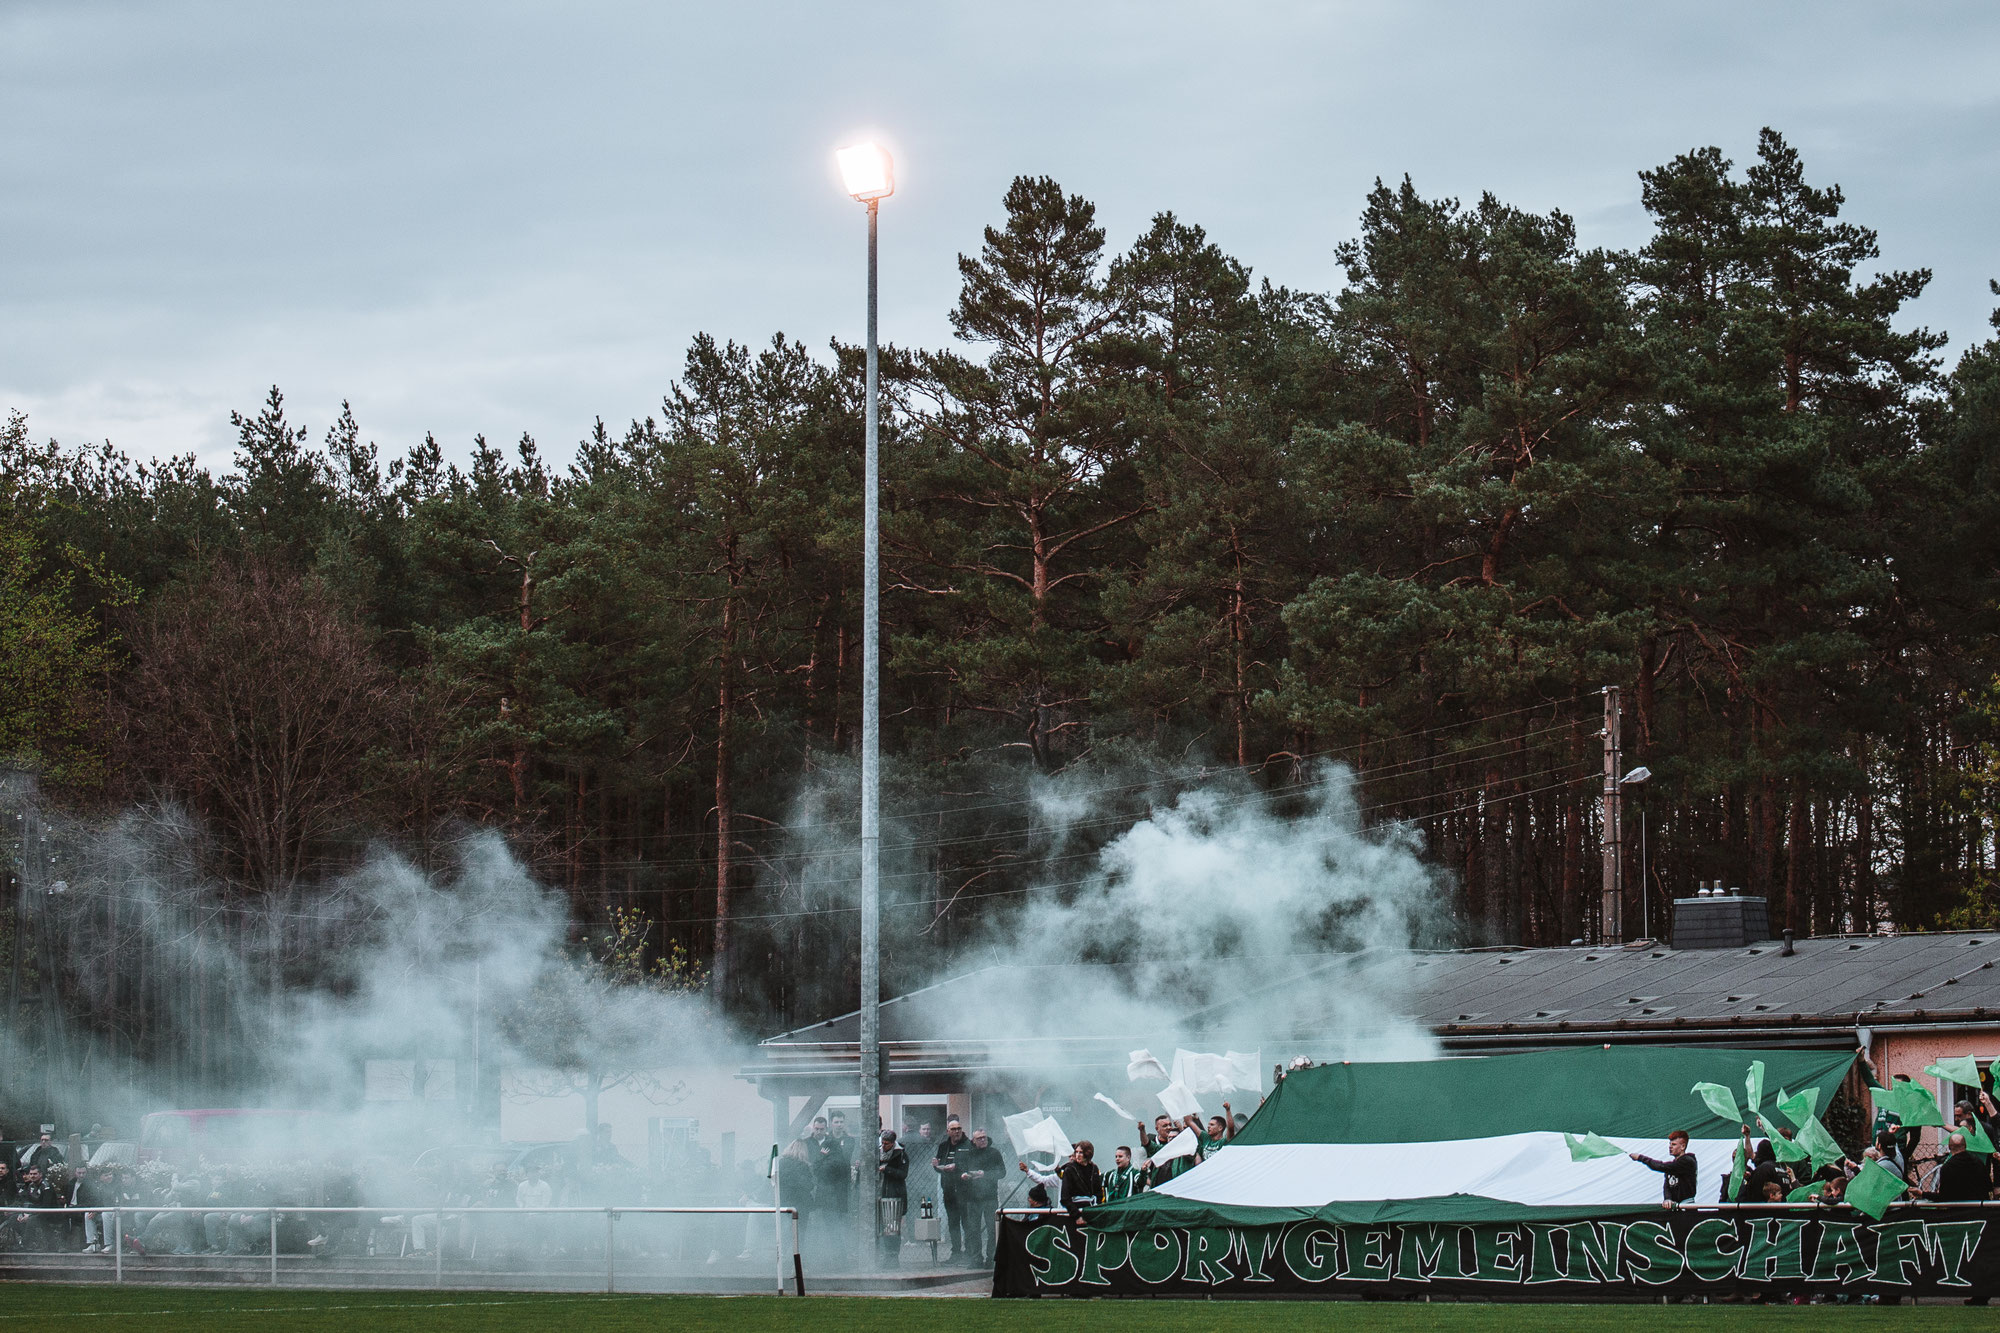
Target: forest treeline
1147	522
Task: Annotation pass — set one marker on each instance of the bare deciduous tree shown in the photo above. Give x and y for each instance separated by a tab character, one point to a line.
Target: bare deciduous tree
253	700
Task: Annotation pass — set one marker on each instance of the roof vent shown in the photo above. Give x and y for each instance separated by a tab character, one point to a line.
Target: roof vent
1725	922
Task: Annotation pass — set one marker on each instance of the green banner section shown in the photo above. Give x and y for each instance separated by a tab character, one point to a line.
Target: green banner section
1620	1091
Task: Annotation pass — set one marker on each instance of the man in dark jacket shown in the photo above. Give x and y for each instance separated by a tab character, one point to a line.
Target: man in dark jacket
1964	1177
980	1171
1678	1168
892	1169
96	1187
950	1191
38	1230
43	1153
1761	1170
833	1189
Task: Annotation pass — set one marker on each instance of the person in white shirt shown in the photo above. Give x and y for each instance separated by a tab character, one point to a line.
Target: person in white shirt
535	1191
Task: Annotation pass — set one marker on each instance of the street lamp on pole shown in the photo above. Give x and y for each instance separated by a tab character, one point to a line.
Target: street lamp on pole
1639	777
870	177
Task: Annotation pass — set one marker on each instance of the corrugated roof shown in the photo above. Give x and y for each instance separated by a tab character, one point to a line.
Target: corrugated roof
1513	994
1840	981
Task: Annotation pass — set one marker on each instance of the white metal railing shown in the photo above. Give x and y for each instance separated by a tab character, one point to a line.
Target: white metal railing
610	1213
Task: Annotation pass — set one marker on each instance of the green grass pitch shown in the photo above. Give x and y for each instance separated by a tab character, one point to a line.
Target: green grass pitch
212	1310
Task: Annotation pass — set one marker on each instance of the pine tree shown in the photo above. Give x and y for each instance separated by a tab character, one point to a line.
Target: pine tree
1033	468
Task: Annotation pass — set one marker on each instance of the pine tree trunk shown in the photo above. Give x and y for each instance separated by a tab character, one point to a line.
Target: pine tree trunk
1238	633
1861	910
1798	847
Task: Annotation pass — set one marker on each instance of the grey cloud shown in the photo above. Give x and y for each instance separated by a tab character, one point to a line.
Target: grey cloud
493	217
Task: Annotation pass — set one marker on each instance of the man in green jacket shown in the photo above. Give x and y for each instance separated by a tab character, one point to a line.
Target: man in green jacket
1122	1181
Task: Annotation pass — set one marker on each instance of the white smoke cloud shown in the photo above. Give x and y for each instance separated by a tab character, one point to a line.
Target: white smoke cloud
1216	915
1232	900
199	995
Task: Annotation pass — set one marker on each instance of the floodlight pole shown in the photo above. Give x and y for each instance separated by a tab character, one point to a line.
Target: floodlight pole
871	794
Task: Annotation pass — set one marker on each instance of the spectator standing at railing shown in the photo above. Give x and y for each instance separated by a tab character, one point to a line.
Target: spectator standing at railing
1123	1180
1963	1178
892	1171
1221	1129
950	1189
1763	1170
796	1188
980	1169
43	1152
35	1192
96	1188
1888	1148
833	1190
1151	1142
1081	1180
535	1191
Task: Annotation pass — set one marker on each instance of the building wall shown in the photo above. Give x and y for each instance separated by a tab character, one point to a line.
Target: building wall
1908	1052
539	1107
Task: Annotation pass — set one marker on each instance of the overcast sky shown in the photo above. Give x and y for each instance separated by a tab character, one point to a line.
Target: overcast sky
505	217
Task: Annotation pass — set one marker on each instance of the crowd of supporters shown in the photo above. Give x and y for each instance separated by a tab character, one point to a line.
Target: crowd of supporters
406	1208
957	1177
1954	1174
1080	1182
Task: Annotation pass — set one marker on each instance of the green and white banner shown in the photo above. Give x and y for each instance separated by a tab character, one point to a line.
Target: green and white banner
1477	1139
1927	1251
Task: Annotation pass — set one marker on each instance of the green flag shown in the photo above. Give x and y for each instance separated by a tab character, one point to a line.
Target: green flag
1962	1070
1739	1160
1787	1150
1720	1100
1919	1107
1976	1139
1798	1108
1804	1193
1753	1087
1818	1143
1591	1146
1875	1189
1889	1100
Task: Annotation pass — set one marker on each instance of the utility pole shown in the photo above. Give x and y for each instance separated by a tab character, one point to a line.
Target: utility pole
1612	931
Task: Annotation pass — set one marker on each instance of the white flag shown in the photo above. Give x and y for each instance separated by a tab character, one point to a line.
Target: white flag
1048	1137
1183	1144
1246	1071
1145	1065
1018	1127
1204	1071
1178	1101
1116	1109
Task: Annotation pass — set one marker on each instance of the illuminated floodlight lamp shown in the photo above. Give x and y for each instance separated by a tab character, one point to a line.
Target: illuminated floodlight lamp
867	170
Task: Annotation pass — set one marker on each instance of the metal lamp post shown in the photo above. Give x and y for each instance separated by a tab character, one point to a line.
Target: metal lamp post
1638	777
870	177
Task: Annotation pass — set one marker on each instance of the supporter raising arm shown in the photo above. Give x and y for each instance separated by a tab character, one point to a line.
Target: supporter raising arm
1679	1167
